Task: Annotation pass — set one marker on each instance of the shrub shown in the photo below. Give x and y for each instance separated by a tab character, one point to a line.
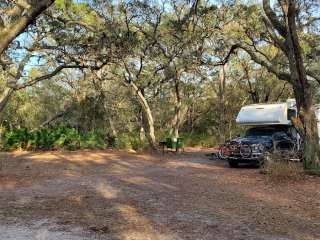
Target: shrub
202	140
18	138
68	138
51	138
130	141
93	140
44	139
280	170
71	139
136	143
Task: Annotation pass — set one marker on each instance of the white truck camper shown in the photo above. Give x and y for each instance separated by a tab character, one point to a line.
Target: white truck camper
272	114
268	114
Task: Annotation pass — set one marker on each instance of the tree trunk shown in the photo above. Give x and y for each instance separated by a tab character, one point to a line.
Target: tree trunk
307	127
177	119
112	127
142	133
302	89
222	107
5	98
311	141
179	110
149	123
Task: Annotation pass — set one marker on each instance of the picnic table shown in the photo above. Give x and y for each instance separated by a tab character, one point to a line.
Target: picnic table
172	143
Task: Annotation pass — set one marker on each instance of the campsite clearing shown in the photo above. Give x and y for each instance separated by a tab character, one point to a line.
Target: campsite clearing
120	195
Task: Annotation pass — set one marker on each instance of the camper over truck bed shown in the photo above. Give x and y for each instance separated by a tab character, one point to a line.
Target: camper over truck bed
267	114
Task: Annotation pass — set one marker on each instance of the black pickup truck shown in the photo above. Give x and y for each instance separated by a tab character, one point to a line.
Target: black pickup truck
256	142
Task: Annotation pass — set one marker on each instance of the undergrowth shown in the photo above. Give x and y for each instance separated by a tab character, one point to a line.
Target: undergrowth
61	137
282	170
51	139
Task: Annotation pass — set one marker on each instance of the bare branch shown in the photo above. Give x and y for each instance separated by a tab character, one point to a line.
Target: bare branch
277	41
5	96
274	19
227	57
313	75
55	117
282	91
192	12
140	67
55	72
268	65
22	64
74	22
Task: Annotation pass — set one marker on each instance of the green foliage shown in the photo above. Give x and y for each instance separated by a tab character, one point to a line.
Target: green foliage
171	57
17	139
200	140
94	139
67	138
130	141
80	11
52	139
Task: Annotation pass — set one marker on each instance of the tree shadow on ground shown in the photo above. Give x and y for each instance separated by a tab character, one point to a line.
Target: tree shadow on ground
116	195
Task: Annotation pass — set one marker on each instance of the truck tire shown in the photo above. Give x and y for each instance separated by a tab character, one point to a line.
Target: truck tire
233	163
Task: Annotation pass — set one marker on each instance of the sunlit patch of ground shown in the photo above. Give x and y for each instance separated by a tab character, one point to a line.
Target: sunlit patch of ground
120	195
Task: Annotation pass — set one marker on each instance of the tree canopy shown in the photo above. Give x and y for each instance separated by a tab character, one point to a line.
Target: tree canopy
138	71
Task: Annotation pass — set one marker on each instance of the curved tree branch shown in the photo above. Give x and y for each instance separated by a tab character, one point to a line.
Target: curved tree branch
55	72
277	41
313	75
274	19
268	65
10	32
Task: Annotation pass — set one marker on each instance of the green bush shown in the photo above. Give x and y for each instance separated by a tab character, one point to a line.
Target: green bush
52	139
130	141
93	140
123	142
71	139
199	140
136	143
68	138
18	138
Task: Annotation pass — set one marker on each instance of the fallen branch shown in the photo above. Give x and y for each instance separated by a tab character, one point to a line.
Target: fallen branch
55	117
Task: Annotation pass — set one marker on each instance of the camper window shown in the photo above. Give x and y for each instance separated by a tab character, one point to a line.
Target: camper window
292	113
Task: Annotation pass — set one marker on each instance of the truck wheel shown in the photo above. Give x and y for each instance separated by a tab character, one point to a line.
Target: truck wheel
260	163
233	163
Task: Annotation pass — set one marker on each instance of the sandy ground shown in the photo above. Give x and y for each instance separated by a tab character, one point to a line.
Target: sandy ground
120	196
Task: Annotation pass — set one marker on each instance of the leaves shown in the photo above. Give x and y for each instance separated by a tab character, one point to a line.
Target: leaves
173	55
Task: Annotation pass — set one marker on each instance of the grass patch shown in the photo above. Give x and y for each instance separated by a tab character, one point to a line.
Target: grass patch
282	170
